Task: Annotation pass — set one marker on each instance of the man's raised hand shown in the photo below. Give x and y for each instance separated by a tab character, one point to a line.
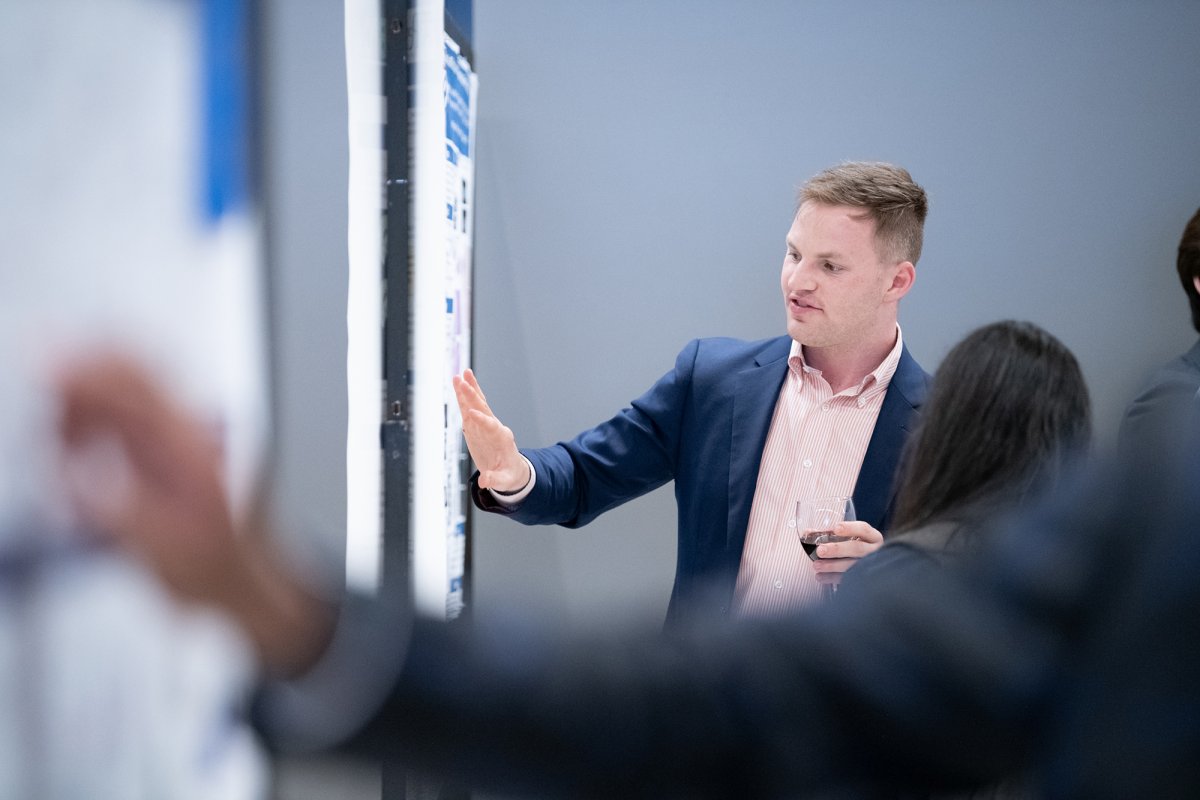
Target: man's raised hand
492	445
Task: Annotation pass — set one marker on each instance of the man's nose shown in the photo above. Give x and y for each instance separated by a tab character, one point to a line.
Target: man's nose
801	278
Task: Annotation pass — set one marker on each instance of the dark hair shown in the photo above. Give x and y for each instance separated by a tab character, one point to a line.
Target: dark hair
1007	409
1188	265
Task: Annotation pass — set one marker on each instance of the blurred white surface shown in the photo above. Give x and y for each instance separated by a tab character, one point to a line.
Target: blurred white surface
112	691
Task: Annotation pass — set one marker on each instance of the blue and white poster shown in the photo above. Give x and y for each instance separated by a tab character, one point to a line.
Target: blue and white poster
442	138
460	190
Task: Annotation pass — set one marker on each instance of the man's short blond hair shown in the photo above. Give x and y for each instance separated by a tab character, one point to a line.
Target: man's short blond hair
886	193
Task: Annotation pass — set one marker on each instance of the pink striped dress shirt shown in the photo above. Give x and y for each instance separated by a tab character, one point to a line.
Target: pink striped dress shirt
814	448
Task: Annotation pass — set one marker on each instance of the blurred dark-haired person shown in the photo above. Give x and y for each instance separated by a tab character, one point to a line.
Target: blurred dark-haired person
1171	390
1007	412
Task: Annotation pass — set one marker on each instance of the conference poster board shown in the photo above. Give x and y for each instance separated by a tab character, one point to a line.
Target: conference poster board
442	141
417	425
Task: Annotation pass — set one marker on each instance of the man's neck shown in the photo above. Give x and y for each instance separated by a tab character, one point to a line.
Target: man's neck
843	367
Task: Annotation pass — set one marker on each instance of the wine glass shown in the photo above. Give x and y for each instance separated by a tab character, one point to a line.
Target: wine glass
815	522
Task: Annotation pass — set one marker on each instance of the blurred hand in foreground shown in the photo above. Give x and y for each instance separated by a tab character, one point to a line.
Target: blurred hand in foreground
158	492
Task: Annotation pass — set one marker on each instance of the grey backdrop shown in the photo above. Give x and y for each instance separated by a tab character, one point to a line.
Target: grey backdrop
638	163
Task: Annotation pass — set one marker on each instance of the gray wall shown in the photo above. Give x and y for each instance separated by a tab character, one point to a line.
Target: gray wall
638	163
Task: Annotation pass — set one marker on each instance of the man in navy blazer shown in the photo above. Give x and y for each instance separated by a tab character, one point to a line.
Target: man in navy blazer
850	257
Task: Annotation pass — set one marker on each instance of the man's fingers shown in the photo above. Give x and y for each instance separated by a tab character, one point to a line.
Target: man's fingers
859	530
474	384
829	565
472	381
482	424
861	540
469	397
463	393
849	550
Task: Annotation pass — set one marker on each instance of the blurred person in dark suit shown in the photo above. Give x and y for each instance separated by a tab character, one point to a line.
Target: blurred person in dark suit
1066	648
1175	384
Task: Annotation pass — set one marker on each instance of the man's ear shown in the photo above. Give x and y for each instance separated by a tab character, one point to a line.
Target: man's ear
1196	283
903	276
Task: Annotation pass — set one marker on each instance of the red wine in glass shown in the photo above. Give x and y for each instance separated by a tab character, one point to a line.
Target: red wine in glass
810	539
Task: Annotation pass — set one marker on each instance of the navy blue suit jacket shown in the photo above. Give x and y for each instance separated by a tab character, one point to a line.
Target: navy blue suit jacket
704	425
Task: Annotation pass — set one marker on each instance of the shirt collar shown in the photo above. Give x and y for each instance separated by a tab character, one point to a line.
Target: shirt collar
873	382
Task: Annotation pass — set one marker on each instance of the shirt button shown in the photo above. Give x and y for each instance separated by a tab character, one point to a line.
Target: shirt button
778	584
807	463
825	406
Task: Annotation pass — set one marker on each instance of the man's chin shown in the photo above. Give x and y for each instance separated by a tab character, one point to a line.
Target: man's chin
806	336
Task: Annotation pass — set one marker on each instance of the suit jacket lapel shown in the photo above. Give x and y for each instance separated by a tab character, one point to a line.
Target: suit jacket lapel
753	404
874	490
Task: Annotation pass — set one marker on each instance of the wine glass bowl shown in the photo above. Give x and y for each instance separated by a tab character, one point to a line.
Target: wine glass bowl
817	518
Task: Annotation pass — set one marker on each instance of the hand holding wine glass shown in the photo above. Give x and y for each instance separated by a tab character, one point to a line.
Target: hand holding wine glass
817	520
832	538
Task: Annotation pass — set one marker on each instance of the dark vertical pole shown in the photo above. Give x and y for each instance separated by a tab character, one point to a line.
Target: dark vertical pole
395	431
395	436
397	400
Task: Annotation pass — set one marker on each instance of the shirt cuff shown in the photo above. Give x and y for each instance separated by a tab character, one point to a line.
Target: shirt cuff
510	499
